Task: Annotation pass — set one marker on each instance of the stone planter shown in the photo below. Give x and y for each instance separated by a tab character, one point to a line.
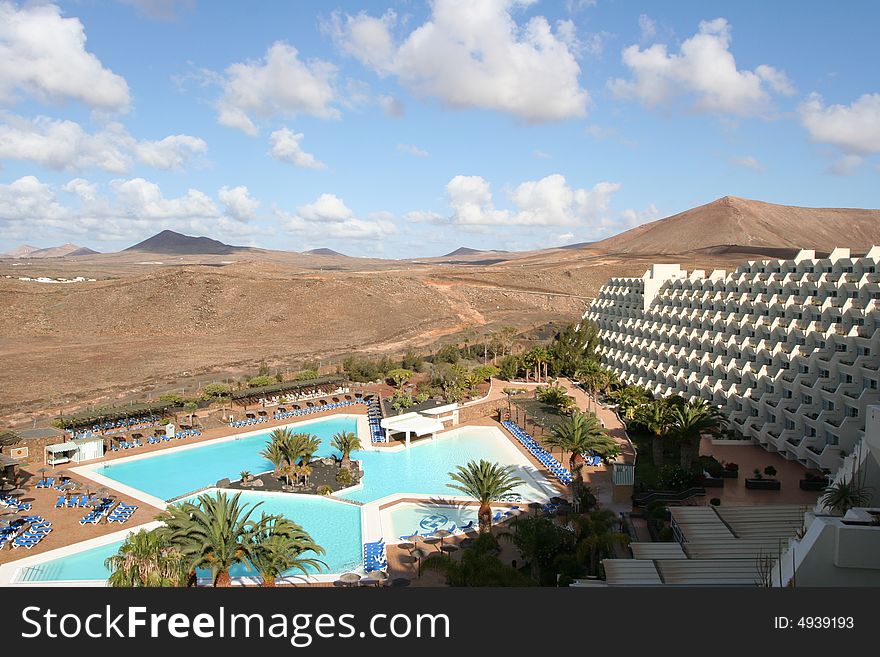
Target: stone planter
712	482
763	484
729	474
812	484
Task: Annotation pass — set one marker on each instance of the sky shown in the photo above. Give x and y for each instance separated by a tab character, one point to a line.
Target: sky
407	129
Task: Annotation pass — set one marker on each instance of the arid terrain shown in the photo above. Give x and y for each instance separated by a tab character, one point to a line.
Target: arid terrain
177	311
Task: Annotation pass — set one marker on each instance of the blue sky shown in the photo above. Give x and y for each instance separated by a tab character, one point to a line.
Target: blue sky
401	129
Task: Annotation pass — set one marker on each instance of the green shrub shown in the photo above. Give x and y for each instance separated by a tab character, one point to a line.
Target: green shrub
344	477
259	381
715	501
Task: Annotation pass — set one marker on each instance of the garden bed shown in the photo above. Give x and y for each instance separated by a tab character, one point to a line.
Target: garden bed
763	484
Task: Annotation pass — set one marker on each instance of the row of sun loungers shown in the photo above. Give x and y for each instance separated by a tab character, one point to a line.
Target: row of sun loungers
312	409
248	421
46	482
37	529
125	444
535	449
143	422
122	513
374	556
11	503
72	501
374	416
94	516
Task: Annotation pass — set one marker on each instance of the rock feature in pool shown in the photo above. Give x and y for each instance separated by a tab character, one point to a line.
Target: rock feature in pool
323	479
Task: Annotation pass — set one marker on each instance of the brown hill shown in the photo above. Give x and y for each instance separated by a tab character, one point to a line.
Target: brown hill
731	222
62	251
19	251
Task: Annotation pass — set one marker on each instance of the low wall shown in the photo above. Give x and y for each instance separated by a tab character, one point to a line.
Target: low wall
481	410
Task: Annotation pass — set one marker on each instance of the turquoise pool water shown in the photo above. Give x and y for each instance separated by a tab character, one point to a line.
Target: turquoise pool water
421	518
422	469
173	474
335	526
87	565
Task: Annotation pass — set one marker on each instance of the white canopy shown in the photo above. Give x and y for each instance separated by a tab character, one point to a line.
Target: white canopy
62	447
412	423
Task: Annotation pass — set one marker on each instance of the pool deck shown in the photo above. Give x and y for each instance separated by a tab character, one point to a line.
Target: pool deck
69	537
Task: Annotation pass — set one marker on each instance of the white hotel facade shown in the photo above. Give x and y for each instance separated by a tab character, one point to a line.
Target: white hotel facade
790	349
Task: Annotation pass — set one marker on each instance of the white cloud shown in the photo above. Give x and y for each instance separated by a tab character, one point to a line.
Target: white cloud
364	37
285	147
238	202
329	217
647	27
704	69
280	84
545	202
127	210
541	155
424	217
475	55
846	165
747	162
410	149
172	152
65	145
392	107
43	55
854	128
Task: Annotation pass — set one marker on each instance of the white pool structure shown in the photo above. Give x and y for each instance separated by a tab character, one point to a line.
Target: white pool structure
403	490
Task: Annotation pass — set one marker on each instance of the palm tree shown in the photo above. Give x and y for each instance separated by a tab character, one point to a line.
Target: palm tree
146	559
346	442
303	446
843	496
688	424
579	435
485	482
542	357
274	453
215	533
280	545
597	538
656	418
479	566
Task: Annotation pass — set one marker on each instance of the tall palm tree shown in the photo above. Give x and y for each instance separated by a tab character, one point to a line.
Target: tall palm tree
485	482
690	422
281	545
215	532
656	418
597	538
146	559
346	442
579	435
303	446
274	453
843	496
541	357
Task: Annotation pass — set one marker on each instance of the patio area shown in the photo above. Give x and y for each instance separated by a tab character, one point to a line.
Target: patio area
749	457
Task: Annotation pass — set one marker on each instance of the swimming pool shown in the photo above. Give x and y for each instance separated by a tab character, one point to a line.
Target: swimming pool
335	526
422	469
339	527
179	472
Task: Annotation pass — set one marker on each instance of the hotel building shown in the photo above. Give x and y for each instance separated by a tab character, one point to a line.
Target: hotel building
789	349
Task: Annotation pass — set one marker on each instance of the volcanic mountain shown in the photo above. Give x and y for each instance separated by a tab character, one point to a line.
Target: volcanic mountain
26	251
731	222
324	252
172	243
